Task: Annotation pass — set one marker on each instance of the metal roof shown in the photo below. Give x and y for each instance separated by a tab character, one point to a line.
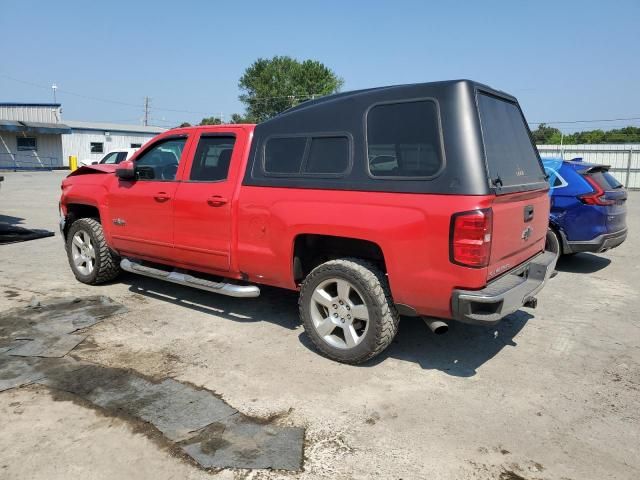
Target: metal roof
113	127
33	127
19	104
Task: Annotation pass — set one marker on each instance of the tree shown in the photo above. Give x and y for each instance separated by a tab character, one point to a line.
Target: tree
210	121
271	86
543	134
238	118
184	124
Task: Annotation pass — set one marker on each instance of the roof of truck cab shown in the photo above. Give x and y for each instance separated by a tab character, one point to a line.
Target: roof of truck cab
224	126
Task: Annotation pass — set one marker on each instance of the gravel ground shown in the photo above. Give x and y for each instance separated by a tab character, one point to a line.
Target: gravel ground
550	393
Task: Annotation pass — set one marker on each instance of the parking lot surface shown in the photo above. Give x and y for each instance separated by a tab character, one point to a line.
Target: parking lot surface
550	393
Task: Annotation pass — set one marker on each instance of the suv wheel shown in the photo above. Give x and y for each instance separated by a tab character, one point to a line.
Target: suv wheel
552	243
347	310
90	258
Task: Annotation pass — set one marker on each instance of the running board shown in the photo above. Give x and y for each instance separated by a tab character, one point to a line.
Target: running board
241	291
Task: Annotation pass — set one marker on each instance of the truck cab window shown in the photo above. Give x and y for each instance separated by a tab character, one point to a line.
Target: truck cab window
212	159
161	161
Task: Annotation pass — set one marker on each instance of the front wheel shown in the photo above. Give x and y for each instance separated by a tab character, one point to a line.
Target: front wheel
347	310
90	258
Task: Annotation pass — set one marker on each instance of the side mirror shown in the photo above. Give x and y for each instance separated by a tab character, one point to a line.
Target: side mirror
94	163
126	170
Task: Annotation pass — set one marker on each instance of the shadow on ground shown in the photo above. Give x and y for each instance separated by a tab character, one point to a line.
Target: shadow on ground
459	353
582	263
274	305
10	232
10	220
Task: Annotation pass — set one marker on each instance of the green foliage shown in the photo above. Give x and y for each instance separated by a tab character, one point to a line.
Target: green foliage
238	118
210	121
545	135
271	86
184	124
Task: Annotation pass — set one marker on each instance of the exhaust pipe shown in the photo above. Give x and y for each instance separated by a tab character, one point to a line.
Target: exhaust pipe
437	326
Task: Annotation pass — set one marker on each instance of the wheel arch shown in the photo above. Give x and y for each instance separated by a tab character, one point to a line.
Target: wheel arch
311	250
76	211
555	226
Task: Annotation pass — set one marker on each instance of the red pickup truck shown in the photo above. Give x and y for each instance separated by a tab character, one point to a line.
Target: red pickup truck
419	200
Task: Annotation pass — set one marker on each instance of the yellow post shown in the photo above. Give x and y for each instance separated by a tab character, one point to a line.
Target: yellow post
73	162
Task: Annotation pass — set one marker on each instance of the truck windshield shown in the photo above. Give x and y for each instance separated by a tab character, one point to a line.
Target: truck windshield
511	157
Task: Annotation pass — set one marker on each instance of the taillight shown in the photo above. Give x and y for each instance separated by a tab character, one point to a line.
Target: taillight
470	238
597	196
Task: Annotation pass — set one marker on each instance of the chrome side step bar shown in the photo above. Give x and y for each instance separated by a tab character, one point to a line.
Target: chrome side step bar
241	291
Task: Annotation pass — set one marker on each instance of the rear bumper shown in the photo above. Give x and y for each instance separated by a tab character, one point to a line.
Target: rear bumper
598	244
505	295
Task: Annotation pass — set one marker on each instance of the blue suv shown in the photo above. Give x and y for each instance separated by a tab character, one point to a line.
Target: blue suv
588	207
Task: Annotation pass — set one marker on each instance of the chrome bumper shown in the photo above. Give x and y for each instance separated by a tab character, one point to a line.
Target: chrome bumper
505	295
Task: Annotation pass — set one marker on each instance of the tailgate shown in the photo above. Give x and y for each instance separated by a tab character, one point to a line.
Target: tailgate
520	223
521	206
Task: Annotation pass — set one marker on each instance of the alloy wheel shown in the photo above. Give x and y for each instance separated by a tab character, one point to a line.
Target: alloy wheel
339	313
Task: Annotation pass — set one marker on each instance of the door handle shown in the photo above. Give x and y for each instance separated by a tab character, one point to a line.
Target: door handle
217	201
162	197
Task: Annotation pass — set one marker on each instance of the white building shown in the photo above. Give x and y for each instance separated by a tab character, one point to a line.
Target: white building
33	135
91	141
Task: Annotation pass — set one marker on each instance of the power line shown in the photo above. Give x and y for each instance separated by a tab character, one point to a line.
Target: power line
587	121
145	106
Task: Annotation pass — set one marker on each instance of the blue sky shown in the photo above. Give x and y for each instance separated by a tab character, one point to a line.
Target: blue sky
564	60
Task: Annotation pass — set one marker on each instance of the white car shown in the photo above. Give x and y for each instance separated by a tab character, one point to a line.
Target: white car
113	157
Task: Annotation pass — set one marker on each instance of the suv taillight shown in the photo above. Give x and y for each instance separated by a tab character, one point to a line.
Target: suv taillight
470	238
597	196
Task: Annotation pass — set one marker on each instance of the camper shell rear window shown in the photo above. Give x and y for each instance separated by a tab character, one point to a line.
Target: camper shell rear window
512	160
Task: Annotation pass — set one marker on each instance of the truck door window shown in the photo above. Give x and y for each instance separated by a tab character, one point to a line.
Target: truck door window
160	162
403	140
212	159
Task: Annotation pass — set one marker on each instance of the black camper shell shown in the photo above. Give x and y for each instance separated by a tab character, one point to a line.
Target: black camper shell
453	137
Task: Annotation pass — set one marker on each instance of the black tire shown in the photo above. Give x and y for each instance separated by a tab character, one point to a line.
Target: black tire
553	242
371	286
107	262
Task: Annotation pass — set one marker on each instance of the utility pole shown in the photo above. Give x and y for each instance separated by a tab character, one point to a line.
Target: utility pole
54	87
146	111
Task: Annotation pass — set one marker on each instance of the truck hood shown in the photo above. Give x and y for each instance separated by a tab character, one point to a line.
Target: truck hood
99	168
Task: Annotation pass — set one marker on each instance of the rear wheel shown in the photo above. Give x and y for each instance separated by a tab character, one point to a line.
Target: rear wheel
552	243
90	258
347	310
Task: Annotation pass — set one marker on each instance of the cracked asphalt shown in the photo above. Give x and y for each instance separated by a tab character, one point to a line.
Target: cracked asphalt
550	393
